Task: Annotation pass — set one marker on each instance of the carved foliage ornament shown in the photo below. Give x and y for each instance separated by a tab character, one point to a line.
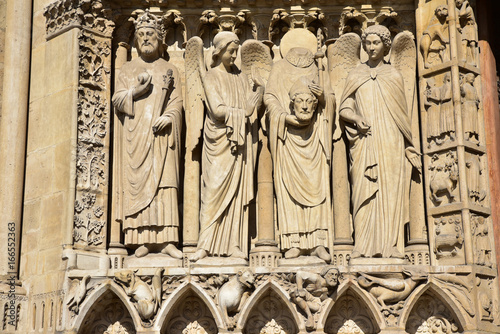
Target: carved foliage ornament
91	14
92	150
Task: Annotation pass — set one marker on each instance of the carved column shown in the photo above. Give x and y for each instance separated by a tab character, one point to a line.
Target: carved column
13	131
116	249
266	253
453	134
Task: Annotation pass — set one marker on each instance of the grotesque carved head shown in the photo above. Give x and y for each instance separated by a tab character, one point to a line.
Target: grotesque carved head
382	32
226	46
331	276
303	102
148	36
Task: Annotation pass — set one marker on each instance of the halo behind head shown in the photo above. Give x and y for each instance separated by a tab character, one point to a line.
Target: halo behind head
298	37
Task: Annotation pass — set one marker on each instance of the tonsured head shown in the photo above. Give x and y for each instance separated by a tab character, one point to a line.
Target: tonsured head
303	102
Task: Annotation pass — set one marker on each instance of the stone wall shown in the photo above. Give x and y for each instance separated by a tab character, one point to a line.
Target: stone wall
3	6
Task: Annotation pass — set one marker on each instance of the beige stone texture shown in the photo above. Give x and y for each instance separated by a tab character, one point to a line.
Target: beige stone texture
2	46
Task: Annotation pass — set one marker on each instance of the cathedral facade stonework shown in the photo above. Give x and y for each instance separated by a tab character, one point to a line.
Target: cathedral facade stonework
248	167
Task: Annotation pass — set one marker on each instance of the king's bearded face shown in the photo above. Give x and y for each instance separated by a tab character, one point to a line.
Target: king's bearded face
147	40
304	105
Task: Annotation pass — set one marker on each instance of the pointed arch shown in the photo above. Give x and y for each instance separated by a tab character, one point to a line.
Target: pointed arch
448	301
181	293
262	292
367	310
93	300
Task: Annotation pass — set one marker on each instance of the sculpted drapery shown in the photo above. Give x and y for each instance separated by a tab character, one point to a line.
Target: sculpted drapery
228	156
301	156
151	145
380	150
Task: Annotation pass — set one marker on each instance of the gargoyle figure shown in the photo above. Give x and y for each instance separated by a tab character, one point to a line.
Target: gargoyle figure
233	294
147	299
312	290
77	293
390	290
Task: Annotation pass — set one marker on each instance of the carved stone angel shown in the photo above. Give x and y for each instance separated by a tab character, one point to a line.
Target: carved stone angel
376	109
229	146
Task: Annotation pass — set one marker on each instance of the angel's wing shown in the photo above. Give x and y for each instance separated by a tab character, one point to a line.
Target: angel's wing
343	57
404	59
256	60
195	92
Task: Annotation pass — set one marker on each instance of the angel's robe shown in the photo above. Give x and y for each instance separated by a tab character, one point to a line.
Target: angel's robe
379	168
228	164
301	156
150	162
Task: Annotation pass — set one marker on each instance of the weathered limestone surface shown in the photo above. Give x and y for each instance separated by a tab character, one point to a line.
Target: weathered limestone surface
302	137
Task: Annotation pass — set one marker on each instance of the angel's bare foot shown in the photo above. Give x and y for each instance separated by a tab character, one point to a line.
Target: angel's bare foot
171	250
292	253
141	251
200	254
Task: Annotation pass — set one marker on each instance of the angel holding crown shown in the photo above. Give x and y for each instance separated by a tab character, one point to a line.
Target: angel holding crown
375	107
229	98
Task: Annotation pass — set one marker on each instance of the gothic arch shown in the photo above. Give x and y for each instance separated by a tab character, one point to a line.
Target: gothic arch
437	294
352	307
193	305
270	290
107	293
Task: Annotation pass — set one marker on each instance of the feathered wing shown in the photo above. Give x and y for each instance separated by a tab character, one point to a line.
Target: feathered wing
195	92
404	59
343	57
256	60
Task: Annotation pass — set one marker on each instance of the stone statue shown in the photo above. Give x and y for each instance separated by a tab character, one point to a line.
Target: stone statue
229	147
312	290
467	26
432	102
470	104
375	106
435	38
233	294
447	110
391	289
300	110
146	298
148	95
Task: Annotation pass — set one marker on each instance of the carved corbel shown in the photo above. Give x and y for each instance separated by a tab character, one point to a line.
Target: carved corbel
279	25
174	23
208	25
147	298
352	20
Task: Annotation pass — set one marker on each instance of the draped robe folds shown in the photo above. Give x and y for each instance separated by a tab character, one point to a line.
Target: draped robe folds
150	161
301	157
379	169
228	164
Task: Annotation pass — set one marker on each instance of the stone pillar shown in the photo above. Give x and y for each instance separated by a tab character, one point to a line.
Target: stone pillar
492	124
13	130
454	146
191	219
116	249
266	253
